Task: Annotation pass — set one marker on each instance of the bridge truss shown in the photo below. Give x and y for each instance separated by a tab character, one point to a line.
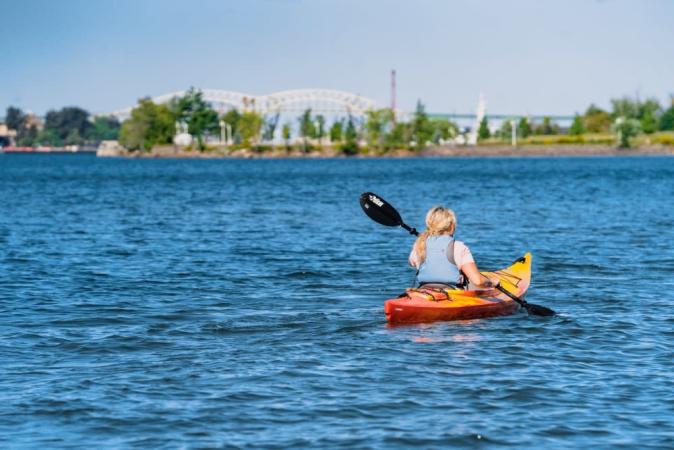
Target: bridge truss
321	101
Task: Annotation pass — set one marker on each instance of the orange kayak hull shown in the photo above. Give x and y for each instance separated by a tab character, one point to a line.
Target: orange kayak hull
419	305
405	311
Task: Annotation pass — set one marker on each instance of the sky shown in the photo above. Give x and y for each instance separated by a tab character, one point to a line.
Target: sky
526	56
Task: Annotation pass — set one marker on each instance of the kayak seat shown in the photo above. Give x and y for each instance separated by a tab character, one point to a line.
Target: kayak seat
439	286
435	292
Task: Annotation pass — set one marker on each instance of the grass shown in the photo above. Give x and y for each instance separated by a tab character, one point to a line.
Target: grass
660	138
557	139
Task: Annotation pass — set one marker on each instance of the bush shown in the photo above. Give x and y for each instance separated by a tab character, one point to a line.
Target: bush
561	139
663	138
349	148
626	129
263	148
577	127
667	119
596	120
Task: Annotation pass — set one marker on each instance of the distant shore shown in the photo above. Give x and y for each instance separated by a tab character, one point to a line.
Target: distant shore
456	151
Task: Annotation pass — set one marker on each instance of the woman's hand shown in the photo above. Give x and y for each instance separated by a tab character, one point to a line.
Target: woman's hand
477	279
489	282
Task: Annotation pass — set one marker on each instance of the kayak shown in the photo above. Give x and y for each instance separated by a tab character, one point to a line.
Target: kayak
421	304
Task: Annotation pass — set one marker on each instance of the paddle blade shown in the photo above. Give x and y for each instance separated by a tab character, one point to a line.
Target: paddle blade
538	310
380	210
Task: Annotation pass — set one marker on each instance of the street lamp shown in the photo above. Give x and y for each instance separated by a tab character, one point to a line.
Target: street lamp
513	138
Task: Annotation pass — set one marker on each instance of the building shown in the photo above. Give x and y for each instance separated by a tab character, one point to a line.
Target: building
7	136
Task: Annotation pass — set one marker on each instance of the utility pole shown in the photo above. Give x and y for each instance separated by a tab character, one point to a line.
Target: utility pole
393	95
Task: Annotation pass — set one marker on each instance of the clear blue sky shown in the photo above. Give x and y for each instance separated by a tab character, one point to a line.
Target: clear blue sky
528	56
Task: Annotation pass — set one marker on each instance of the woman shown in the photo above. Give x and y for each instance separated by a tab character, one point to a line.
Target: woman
442	260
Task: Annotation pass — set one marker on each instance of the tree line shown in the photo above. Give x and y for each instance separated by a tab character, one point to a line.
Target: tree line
68	126
153	124
626	118
380	130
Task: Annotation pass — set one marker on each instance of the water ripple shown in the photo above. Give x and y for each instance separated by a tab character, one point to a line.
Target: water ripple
238	304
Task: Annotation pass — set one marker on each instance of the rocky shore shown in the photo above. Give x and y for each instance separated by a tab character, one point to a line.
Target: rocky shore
457	151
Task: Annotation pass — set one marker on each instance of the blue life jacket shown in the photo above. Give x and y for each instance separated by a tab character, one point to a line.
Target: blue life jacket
438	266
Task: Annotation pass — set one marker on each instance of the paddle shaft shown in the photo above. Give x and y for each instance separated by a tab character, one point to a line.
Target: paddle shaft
522	303
412	231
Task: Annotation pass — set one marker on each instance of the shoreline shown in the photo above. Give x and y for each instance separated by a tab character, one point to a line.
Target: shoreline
490	151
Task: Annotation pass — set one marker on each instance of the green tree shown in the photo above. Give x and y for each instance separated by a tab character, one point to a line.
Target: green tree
250	126
26	129
524	128
577	128
197	113
350	145
646	112
337	131
14	118
149	125
104	128
547	127
443	129
625	107
596	120
422	131
74	138
65	120
232	118
650	112
307	129
626	129
506	130
286	132
320	128
269	127
667	119
48	137
483	131
27	134
399	137
648	122
377	121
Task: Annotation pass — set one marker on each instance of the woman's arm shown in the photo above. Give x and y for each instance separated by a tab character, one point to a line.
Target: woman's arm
413	259
476	278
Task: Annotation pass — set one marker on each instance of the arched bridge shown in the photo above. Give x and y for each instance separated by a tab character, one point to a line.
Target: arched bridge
325	101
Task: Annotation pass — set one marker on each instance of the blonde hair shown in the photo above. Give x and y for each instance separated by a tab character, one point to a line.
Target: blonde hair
439	221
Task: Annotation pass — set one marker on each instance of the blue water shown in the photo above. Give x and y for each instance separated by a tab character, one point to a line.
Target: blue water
239	303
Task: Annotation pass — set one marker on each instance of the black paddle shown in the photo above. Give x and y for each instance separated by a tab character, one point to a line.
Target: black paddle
382	212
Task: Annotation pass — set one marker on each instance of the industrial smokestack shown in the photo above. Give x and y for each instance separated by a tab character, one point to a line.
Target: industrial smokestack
393	94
